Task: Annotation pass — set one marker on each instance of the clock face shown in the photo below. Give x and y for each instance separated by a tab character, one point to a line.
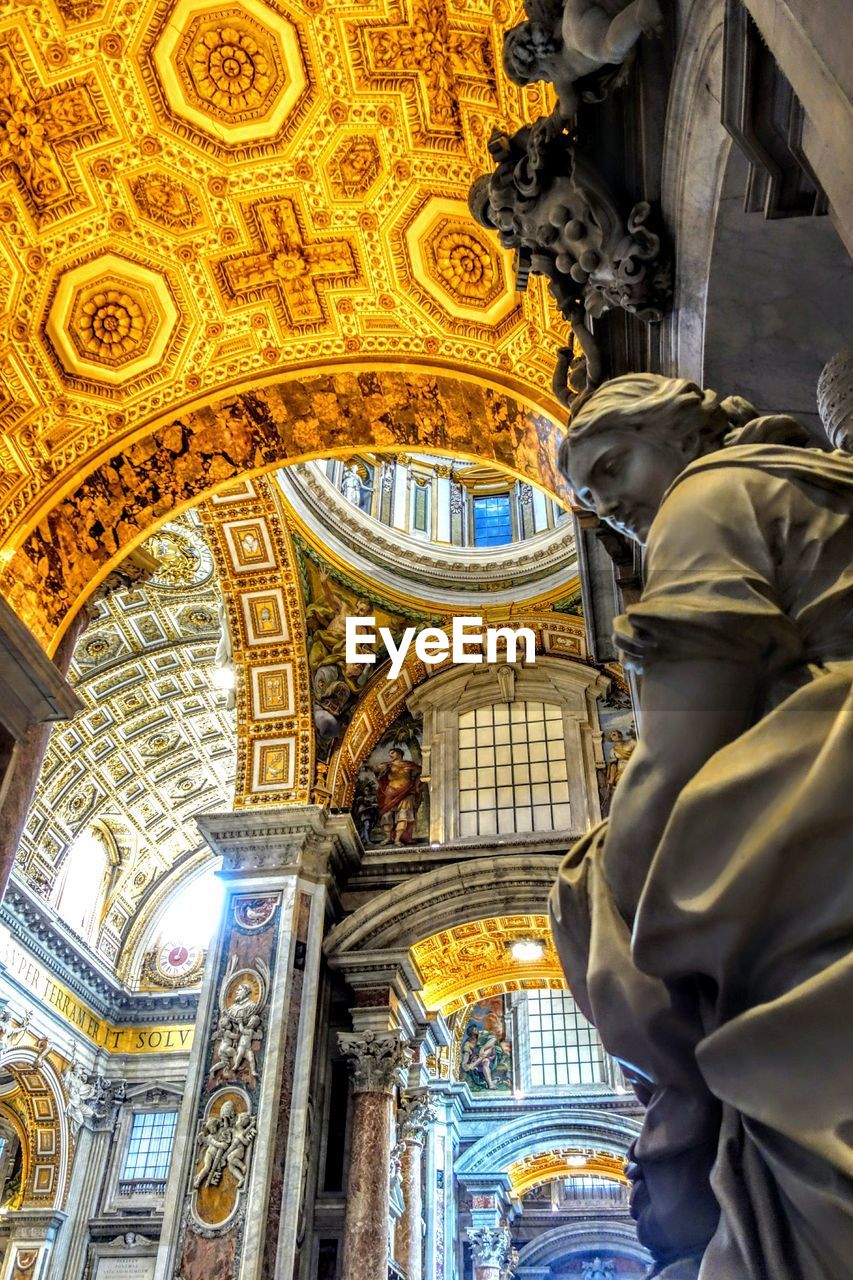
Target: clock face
174	960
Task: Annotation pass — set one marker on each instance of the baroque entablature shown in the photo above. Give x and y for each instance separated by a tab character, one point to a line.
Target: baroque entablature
246	190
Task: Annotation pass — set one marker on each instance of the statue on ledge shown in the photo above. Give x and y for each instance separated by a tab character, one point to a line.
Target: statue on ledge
706	927
547	200
567	42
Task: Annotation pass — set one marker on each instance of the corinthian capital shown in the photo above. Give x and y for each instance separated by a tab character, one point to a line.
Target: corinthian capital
414	1118
492	1247
375	1061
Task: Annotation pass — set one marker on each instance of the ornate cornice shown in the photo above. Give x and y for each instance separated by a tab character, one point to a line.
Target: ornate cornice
540	564
32	925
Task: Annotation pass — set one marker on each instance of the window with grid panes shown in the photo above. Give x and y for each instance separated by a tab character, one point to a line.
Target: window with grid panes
564	1047
492	521
149	1147
513	774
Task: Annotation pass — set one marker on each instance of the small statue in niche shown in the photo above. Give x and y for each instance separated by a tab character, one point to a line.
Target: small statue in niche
547	200
567	42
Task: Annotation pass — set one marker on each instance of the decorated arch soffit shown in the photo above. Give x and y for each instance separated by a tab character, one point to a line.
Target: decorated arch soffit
37	1102
76	544
200	196
153	747
470	962
564	1162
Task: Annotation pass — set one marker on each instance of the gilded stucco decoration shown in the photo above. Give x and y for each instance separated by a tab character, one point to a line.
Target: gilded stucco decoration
257	568
44	126
111	319
154	746
264	162
235	73
353	167
447	257
286	267
167	200
564	1162
472	961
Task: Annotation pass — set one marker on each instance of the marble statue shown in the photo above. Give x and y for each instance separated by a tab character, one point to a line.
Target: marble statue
566	41
547	200
239	1028
90	1099
706	927
214	1140
12	1032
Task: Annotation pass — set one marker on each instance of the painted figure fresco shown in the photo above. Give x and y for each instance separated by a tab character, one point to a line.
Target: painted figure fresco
485	1057
618	741
392	802
335	683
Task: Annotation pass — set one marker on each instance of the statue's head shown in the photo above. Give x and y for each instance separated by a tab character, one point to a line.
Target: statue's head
633	436
519	55
529	51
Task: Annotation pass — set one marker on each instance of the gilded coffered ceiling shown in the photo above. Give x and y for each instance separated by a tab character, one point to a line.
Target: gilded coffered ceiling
153	747
195	196
471	961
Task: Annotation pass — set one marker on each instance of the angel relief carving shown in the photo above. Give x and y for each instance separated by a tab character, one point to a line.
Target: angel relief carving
240	1028
226	1136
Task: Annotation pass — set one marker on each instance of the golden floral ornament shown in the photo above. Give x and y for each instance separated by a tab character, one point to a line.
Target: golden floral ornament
236	72
464	262
453	261
111	319
230	69
112	324
353	167
162	199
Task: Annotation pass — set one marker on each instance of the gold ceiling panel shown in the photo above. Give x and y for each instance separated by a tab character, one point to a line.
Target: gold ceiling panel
195	196
565	1162
471	961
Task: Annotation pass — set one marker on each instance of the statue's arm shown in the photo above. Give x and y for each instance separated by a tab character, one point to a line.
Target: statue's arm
689	709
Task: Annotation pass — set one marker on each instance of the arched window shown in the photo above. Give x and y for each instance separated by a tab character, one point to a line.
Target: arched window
191	916
83	885
513	772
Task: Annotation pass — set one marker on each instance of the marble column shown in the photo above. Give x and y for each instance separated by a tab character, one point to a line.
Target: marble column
237	1182
492	1253
414	1118
376	1062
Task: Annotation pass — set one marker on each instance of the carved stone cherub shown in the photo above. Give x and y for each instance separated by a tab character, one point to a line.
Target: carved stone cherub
239	1026
565	41
548	201
237	1154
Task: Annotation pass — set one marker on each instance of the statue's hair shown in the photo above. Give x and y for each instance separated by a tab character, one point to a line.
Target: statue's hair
676	407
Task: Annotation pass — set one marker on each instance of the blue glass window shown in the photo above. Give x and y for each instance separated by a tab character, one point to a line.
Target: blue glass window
492	522
150	1147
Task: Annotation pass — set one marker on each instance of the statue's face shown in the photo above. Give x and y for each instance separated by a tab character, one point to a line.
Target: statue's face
623	476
